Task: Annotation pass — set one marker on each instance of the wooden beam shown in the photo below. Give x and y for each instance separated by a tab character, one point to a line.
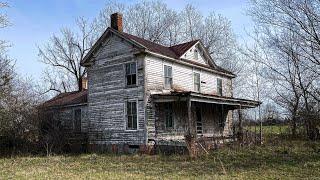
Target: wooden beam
191	127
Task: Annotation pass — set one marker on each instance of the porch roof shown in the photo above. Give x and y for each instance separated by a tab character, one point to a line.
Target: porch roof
234	103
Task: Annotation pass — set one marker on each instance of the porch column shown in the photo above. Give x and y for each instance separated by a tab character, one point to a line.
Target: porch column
240	135
190	119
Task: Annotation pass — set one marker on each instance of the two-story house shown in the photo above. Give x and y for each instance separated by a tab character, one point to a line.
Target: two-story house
140	93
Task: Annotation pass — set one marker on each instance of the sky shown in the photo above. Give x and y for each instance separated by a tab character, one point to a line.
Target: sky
33	22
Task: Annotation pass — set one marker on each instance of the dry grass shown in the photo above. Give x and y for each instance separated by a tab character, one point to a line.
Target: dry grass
278	159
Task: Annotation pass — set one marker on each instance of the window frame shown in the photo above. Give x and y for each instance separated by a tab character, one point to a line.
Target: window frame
166	76
131	74
196	54
168	110
219	87
136	115
194	82
75	128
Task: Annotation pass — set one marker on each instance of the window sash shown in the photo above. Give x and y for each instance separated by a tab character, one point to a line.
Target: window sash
196	78
131	115
131	74
219	87
167	76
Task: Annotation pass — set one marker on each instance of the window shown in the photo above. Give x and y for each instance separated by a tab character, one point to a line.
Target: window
131	115
219	87
77	120
168	112
167	77
196	54
196	80
131	75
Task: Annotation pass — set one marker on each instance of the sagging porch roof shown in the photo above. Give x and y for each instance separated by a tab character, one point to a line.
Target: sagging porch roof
234	103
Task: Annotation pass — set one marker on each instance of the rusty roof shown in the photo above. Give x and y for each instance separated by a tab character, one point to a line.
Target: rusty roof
68	98
180	49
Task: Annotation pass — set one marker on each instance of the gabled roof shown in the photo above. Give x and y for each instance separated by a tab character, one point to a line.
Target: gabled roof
180	49
174	52
68	98
151	46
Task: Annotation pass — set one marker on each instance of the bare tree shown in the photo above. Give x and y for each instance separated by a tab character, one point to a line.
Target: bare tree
290	41
63	55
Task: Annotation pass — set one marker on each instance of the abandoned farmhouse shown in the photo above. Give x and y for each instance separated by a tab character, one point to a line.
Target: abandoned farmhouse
138	93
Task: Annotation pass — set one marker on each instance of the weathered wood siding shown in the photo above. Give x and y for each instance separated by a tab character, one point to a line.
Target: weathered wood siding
108	94
65	117
190	55
183	77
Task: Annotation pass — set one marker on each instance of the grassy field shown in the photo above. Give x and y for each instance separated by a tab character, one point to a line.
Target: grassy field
275	159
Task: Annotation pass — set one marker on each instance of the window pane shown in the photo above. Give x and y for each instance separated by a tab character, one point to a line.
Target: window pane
219	86
77	120
133	68
129	82
129	122
134	107
165	71
169	71
127	69
133	79
134	122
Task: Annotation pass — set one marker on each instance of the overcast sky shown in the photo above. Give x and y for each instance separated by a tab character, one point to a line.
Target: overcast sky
34	21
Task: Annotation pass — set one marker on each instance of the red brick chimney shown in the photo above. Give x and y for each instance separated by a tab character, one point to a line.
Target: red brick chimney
116	21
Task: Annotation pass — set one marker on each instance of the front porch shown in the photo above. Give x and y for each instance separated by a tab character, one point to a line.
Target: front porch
201	116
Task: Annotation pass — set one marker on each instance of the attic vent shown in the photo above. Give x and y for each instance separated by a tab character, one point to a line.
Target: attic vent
196	54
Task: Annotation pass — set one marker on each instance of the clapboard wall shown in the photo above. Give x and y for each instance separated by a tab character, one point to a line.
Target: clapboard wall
183	77
108	94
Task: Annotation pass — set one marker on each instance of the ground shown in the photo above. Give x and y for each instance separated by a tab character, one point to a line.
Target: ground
278	158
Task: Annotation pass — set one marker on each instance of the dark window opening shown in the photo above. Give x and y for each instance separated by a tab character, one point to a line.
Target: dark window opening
219	87
77	120
131	115
168	111
131	74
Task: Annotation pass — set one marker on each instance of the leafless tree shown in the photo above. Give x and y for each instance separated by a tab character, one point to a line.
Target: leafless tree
289	37
63	54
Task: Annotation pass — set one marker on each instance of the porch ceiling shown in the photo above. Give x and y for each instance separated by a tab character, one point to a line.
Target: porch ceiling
234	103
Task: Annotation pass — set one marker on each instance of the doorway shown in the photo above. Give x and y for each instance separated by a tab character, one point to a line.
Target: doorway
199	121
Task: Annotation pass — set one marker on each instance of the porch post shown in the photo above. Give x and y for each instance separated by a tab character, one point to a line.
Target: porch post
240	133
190	121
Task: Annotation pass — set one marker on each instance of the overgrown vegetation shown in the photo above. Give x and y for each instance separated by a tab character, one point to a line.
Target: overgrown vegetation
280	159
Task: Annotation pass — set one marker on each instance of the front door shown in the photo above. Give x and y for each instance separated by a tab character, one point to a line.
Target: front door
199	121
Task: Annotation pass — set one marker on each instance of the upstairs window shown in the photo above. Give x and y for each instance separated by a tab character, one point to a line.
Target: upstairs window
196	81
131	115
167	77
168	112
196	54
131	74
219	87
77	120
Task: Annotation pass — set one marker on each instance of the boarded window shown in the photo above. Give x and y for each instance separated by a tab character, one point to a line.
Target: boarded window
219	87
131	115
131	74
168	112
167	77
77	120
196	80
